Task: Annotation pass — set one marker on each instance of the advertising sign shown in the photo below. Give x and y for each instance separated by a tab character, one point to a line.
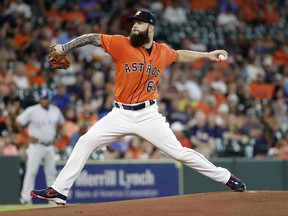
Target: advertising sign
124	181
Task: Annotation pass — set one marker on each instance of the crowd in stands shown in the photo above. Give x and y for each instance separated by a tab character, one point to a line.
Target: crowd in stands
236	108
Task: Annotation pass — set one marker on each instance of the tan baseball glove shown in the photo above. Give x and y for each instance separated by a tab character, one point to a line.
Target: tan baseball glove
57	61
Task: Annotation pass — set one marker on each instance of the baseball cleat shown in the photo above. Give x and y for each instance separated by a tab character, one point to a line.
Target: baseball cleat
236	184
49	194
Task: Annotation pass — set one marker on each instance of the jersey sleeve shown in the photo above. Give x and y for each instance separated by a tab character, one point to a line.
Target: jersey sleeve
24	118
113	44
171	54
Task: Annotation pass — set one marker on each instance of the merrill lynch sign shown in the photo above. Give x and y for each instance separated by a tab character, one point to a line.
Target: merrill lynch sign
116	177
112	182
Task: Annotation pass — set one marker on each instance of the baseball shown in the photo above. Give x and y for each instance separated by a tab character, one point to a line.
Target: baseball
223	57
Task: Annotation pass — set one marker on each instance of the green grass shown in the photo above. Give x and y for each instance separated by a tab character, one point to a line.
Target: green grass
22	207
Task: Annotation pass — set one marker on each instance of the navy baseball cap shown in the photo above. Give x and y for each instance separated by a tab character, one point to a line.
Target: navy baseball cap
45	94
143	15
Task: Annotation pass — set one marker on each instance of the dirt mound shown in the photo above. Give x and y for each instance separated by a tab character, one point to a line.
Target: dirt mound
250	203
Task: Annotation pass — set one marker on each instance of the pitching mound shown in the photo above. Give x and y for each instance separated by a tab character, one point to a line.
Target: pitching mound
217	204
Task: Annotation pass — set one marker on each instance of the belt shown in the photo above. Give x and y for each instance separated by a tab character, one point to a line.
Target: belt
46	143
35	140
134	107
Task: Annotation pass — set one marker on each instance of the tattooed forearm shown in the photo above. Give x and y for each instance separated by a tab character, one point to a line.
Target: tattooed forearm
93	39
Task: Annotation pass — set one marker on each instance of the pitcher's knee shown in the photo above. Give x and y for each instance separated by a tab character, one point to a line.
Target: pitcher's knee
89	140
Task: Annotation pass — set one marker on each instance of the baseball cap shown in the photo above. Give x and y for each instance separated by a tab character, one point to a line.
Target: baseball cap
45	94
143	15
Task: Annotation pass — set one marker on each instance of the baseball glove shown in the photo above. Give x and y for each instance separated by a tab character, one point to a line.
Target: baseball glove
57	61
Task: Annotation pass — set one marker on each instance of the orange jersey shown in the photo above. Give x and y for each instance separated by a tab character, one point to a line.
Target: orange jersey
137	72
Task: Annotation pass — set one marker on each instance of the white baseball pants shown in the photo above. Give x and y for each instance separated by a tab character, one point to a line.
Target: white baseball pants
147	123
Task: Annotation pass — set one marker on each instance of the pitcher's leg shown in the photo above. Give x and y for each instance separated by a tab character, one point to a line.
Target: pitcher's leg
192	159
157	131
100	134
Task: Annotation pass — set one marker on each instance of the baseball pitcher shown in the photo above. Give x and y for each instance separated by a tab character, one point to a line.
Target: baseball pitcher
140	62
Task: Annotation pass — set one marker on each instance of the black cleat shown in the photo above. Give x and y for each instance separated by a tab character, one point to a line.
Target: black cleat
49	194
236	184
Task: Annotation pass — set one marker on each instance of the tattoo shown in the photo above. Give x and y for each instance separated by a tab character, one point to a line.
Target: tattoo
93	39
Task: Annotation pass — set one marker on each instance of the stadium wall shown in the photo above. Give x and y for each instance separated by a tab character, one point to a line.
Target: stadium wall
103	181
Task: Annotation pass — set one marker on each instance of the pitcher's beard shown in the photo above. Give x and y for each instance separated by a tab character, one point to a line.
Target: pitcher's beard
139	39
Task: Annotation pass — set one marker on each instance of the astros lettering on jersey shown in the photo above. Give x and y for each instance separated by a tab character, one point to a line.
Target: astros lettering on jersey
137	80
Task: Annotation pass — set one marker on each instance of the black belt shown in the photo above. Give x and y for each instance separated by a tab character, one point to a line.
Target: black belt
46	143
135	107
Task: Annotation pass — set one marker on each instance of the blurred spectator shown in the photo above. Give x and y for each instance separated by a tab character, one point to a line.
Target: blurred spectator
25	39
199	136
232	4
83	127
20	8
61	99
261	90
281	113
196	45
29	97
68	77
98	84
70	127
87	114
227	19
20	76
67	33
272	129
248	12
207	104
234	141
175	114
91	9
281	148
213	74
175	13
271	15
8	51
214	130
253	128
54	15
107	106
151	152
245	99
34	70
184	101
178	130
203	6
252	69
233	104
76	90
186	82
135	150
157	6
280	56
120	146
5	78
75	15
13	97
